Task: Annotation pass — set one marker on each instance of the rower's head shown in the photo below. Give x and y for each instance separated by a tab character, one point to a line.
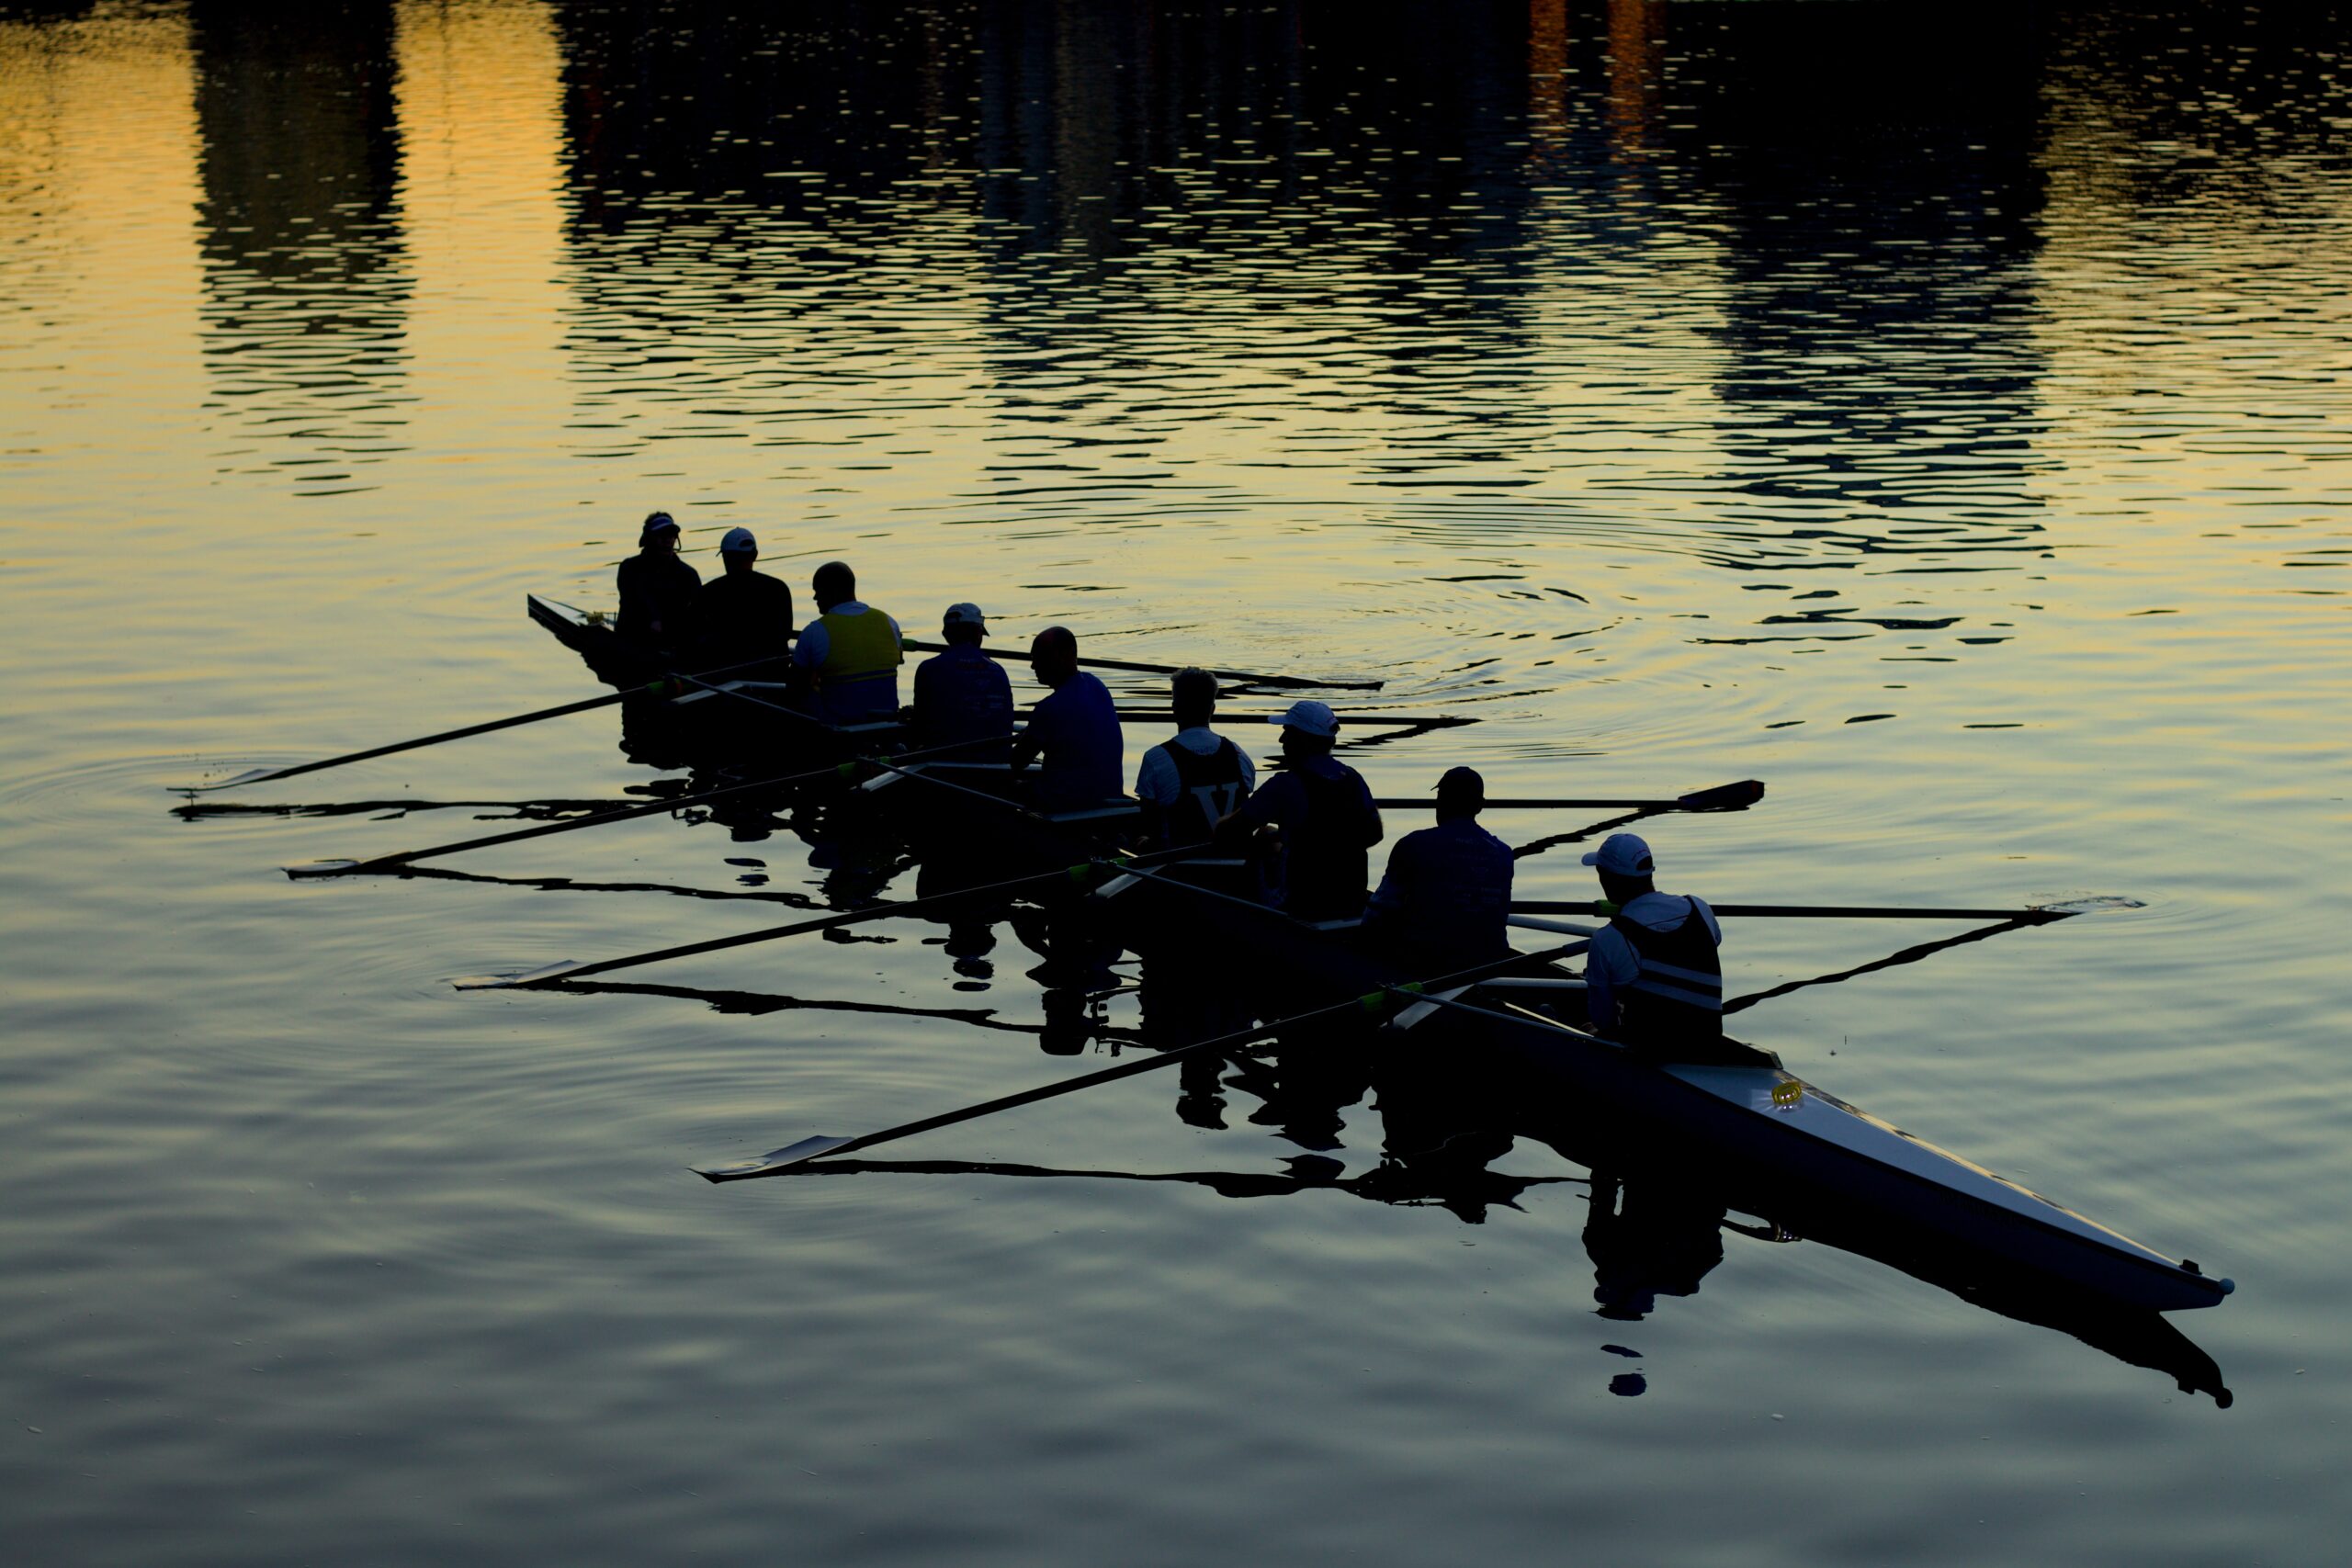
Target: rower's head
1626	866
833	584
964	626
1309	729
659	534
1053	654
738	550
1461	793
1192	693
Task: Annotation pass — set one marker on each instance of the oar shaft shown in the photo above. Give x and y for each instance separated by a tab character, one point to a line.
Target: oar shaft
558	711
1134	1065
1808	911
1012	656
618	814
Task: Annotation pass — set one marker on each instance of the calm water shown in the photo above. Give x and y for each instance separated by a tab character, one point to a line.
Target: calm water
1942	417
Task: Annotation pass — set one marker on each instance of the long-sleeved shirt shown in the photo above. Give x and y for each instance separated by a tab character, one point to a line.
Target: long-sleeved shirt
656	588
1075	730
1445	900
963	695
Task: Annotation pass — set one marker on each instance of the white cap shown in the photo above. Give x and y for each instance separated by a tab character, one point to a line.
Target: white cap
1311	717
1622	854
739	539
966	614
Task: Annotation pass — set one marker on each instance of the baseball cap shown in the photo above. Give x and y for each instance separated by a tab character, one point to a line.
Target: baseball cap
1313	717
738	540
1622	854
656	522
965	615
1463	785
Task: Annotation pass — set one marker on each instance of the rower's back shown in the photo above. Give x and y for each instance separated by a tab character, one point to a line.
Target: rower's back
850	651
963	698
1191	781
742	615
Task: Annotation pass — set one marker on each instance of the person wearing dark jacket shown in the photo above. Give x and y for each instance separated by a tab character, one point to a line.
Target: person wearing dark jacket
657	590
962	694
742	615
1445	901
1311	823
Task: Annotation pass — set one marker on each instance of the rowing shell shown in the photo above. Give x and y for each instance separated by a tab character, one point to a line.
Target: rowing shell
1799	1156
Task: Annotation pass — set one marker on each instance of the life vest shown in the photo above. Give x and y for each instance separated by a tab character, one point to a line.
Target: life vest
1210	786
858	649
1676	1000
1324	865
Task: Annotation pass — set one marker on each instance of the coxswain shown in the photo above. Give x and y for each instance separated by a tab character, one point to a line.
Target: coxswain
1074	730
1653	978
1445	901
1320	819
1189	784
850	652
742	615
962	694
657	590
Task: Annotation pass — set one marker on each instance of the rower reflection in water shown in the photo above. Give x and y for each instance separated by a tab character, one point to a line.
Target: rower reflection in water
962	694
1312	823
1192	783
1445	901
850	652
1653	978
1074	730
657	590
742	615
1648	1240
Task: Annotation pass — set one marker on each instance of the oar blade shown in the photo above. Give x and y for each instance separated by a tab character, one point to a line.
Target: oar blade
508	982
1724	797
310	868
773	1161
251	775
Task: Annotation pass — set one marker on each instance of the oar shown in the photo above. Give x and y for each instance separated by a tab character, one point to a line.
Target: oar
1013	656
620	814
1358	720
1374	1001
1723	797
1892	961
657	688
2031	916
570	971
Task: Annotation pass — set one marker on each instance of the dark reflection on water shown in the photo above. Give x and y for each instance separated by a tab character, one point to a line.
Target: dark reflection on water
305	271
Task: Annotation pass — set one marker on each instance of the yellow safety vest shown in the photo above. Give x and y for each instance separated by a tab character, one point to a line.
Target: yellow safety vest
858	647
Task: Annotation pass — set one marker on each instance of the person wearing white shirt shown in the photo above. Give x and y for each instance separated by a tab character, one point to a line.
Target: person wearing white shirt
1190	782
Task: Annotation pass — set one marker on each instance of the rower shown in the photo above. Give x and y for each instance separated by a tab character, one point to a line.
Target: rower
1075	727
657	590
851	650
1320	817
1445	901
743	615
1653	978
1194	782
963	695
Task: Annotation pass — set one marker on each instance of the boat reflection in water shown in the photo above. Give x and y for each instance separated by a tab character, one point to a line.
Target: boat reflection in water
1652	1235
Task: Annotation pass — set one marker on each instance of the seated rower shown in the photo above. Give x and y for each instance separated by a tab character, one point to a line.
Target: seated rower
1653	978
1321	820
657	590
1194	782
1075	728
963	695
744	616
850	652
1445	901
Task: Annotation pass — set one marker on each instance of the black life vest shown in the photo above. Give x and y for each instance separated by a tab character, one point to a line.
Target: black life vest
1324	864
1676	1001
1209	786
